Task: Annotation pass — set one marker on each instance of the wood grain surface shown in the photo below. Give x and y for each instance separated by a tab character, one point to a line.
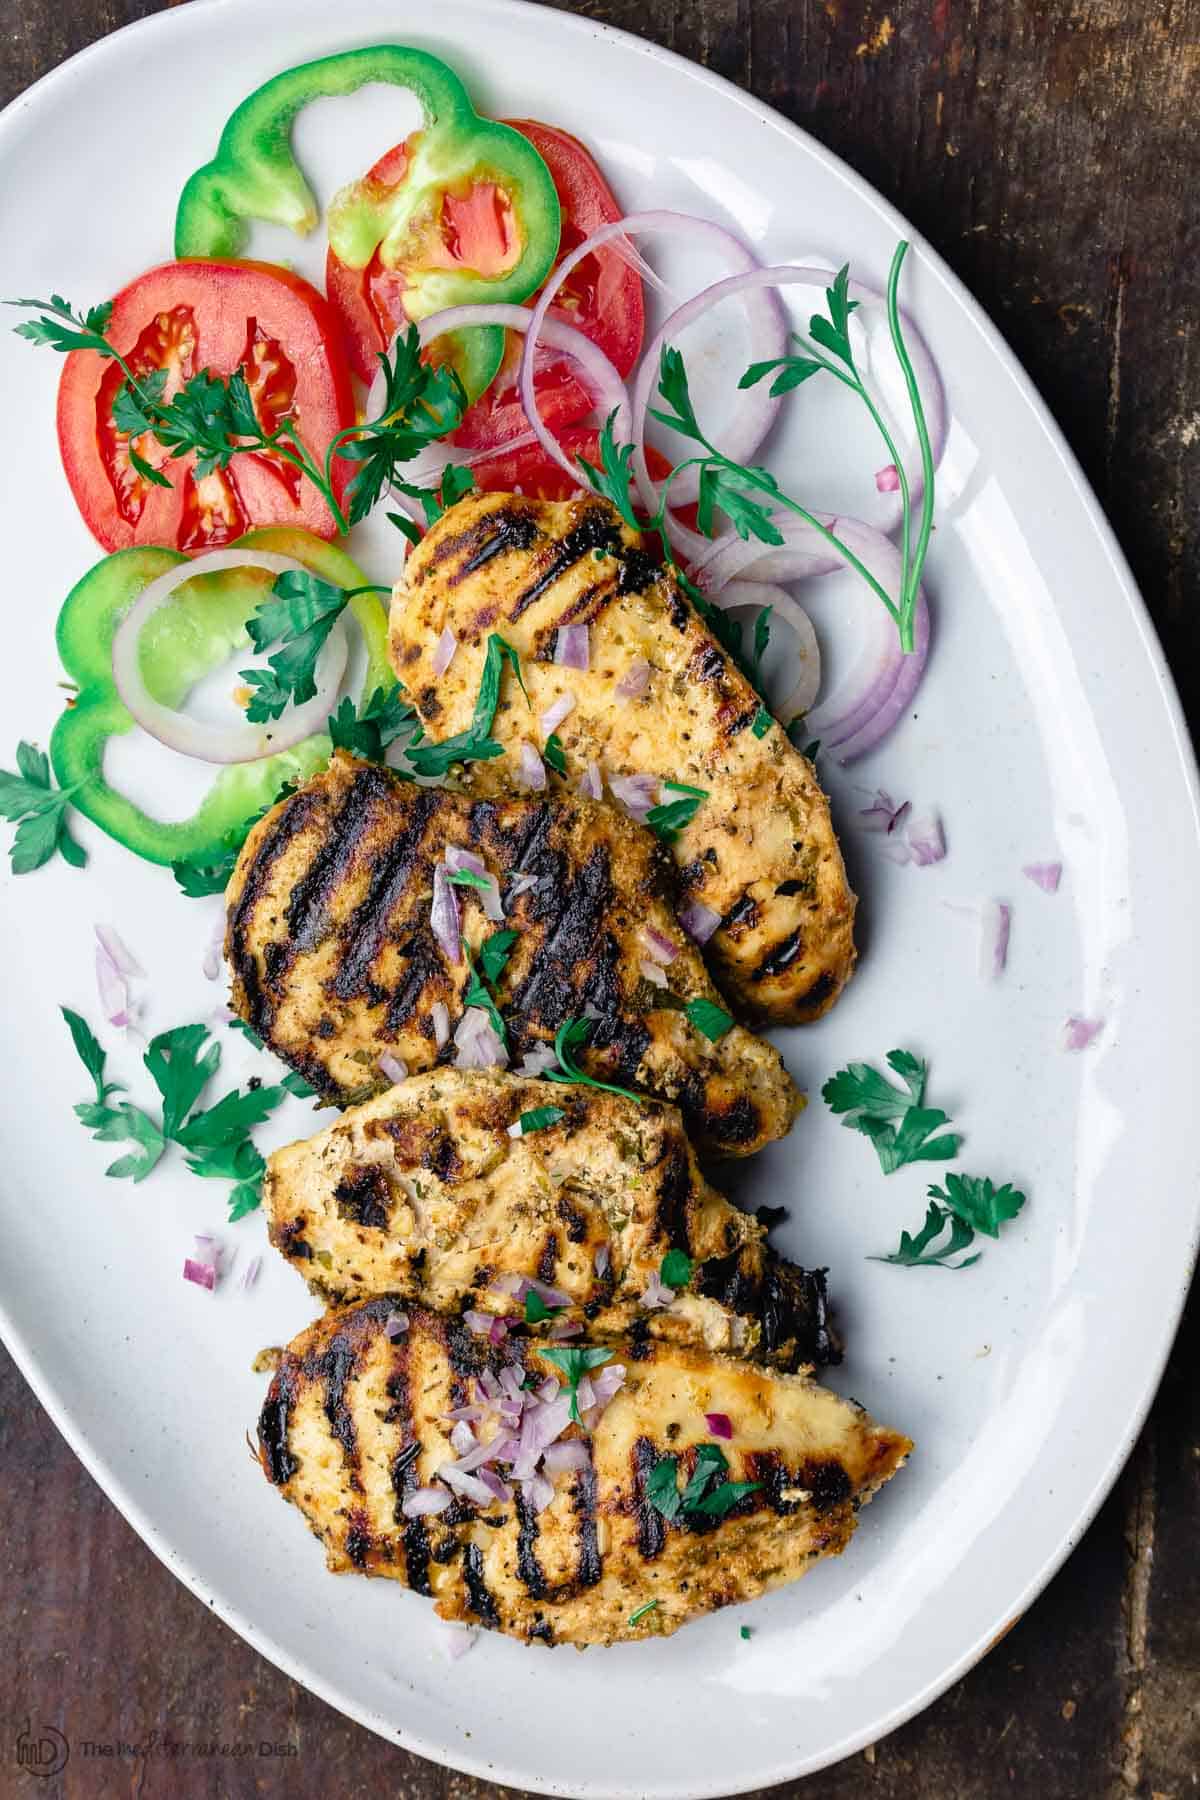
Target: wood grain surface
1049	149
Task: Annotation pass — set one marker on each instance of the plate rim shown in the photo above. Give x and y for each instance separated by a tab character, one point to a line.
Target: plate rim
109	1480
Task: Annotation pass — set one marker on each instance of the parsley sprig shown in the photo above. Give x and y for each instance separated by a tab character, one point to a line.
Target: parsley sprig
572	1035
456	482
573	1364
476	744
748	494
299	613
215	1140
897	1121
700	1496
369	733
967	1204
668	819
216	416
31	797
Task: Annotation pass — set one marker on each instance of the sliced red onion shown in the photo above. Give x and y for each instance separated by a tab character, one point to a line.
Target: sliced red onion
803	554
204	1274
122	957
719	1424
537	1061
602	1260
113	989
572	648
607	1381
567	1453
394	1067
662	948
554	714
591	782
443	654
489	897
515	1287
207	1248
510	1379
472	1414
444	916
541	1423
599	375
877	691
251	1272
469	1486
395	1325
698	920
531	774
995	922
439	1014
490	1384
549	1390
636	793
652	972
1079	1033
476	1042
538	1492
925	838
1044	875
474	1458
634	681
738	594
884	814
887	479
220	743
426	1500
656	1293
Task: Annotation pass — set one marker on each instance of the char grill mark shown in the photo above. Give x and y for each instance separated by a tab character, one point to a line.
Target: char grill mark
510	530
613	1029
528	1566
793	1305
358	1538
674	1192
595	531
309	898
583	606
548	1260
782	957
424	965
334	1370
548	991
273	1422
364	1197
652	1527
291	821
638	570
414	1536
478	1593
584	1502
367	929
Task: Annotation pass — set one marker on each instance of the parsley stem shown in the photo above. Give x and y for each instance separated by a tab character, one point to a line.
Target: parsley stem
913	566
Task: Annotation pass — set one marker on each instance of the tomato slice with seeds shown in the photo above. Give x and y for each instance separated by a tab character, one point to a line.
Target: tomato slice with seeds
531	472
602	297
186	317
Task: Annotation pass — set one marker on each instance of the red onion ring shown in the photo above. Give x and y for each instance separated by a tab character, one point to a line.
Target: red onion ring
761	594
220	743
767	321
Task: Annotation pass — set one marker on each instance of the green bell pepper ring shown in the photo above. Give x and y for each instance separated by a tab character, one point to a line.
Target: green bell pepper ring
181	643
255	175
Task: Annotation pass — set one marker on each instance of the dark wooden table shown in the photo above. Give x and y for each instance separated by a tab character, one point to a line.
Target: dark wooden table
1049	149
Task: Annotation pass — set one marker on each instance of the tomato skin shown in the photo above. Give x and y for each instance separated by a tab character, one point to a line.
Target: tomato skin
213	315
539	477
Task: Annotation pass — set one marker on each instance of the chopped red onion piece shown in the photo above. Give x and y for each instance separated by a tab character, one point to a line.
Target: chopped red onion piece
425	1500
479	1322
637	793
549	1390
206	1248
662	948
1044	875
887	479
567	1453
925	839
460	861
473	1415
476	1042
884	814
496	1487
395	1325
113	989
1079	1033
995	923
541	1423
455	1640
565	1329
444	916
510	1382
394	1067
535	1062
204	1274
538	1492
652	972
251	1272
552	1296
122	956
443	655
439	1013
656	1293
584	1395
572	649
515	1286
698	920
554	714
469	1486
634	681
490	1385
497	1331
211	966
607	1381
462	1438
602	1259
496	1447
532	770
591	783
719	1424
520	884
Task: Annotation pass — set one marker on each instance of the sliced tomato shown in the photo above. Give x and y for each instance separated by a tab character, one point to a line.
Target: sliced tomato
602	297
531	472
186	317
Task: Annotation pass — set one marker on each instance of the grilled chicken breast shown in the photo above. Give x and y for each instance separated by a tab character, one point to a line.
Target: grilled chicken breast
760	850
424	1193
355	1420
334	961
